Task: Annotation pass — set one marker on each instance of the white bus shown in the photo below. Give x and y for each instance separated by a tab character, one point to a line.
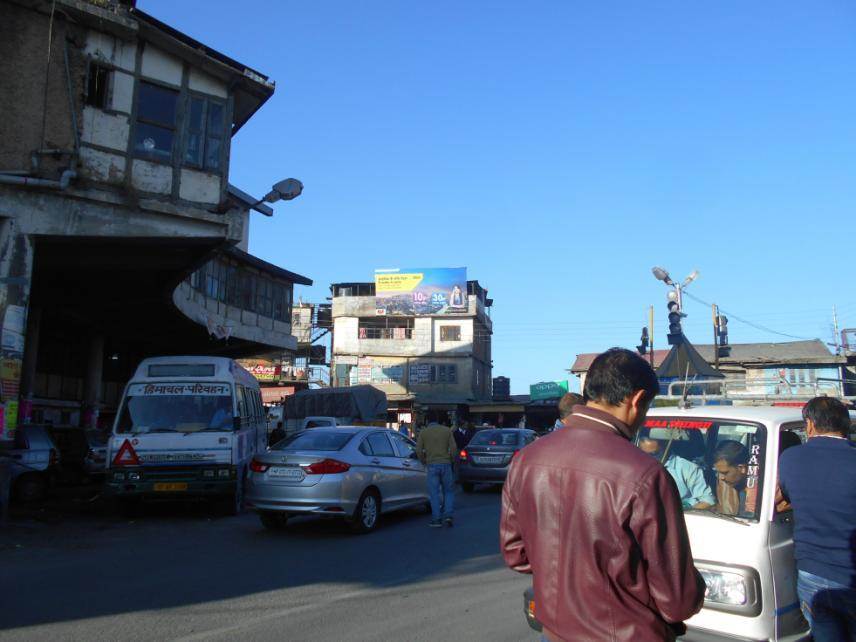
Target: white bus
187	426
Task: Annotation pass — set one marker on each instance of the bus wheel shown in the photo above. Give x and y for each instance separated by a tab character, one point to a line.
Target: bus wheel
235	501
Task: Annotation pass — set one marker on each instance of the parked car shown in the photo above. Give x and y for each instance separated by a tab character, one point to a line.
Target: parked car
35	460
95	460
351	472
486	458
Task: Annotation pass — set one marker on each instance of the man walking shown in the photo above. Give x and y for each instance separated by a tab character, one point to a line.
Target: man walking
598	522
436	449
819	480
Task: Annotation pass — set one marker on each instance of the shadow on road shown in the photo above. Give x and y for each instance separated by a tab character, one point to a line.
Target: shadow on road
95	563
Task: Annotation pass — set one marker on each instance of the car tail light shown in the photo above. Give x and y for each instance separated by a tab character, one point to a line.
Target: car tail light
514	454
327	467
258	467
53	457
463	454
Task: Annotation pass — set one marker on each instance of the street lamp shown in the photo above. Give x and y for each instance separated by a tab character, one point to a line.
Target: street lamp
285	190
676	301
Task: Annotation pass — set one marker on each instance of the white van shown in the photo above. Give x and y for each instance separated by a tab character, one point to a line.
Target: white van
743	548
187	426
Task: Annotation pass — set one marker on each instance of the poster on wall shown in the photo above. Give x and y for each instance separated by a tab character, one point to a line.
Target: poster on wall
421	291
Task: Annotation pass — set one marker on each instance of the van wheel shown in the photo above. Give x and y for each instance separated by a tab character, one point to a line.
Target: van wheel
234	503
367	512
30	487
468	487
274	521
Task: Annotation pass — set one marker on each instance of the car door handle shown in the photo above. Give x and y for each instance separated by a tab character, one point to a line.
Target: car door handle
405	463
376	461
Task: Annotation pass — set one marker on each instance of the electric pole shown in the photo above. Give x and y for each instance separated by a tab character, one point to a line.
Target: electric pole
715	311
835	333
651	334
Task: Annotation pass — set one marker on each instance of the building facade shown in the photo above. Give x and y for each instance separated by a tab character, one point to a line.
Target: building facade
431	367
120	235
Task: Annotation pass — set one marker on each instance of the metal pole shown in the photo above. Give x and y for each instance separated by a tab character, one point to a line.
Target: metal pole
715	311
651	334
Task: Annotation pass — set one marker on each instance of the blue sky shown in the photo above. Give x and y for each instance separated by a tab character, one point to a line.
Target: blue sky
559	150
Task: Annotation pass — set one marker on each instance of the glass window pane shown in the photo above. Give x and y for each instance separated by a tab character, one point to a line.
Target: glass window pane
194	121
212	153
193	154
156	104
215	120
154	140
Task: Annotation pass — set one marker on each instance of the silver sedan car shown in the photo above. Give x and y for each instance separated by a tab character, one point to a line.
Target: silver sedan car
356	473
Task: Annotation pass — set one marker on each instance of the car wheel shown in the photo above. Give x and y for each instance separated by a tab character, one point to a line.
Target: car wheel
30	487
274	521
367	512
468	487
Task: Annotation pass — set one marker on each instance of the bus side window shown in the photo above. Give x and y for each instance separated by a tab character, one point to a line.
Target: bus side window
242	402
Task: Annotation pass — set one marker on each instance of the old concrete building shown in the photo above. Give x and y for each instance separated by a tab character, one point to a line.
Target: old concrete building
430	367
120	235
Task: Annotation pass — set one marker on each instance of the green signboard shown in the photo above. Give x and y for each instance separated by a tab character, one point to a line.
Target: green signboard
547	390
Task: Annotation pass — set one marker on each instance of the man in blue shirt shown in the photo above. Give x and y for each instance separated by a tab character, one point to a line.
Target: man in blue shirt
688	476
819	480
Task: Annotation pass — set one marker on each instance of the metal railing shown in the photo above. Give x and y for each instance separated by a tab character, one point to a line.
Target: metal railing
400	334
756	389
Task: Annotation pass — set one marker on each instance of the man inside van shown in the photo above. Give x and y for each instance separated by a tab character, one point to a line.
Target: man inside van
730	463
692	486
819	480
598	523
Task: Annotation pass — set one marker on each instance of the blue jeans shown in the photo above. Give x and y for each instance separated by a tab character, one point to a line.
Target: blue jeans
441	480
829	607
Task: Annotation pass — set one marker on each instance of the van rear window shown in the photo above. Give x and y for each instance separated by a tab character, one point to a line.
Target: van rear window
181	370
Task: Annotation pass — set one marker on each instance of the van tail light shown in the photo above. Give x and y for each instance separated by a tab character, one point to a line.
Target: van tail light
258	467
53	457
327	467
463	454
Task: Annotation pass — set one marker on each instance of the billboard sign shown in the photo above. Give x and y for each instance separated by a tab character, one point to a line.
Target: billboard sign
421	291
547	390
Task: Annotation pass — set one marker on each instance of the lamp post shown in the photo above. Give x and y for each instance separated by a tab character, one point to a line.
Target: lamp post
676	301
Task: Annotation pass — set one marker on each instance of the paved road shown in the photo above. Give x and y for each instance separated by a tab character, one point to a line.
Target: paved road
182	573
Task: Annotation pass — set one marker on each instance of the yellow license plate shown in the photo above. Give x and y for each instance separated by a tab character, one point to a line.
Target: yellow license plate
170	487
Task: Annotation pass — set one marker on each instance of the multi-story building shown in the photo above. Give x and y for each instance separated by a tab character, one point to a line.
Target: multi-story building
431	367
120	234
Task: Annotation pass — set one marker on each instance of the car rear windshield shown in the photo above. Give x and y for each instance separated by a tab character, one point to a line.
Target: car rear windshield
495	438
717	465
315	439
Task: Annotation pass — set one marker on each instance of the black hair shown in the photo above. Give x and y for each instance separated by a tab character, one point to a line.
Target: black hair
828	415
732	452
618	373
567	403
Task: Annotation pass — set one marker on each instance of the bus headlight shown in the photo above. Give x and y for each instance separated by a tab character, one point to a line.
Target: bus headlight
734	589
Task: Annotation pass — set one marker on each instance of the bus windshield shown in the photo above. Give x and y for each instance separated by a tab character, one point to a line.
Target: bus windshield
178	407
717	465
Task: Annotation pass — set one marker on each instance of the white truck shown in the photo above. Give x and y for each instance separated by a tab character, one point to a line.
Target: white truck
345	406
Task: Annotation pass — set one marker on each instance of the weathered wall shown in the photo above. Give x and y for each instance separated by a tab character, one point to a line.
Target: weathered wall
23	103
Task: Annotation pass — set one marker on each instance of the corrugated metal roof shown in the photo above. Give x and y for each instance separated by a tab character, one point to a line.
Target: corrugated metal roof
813	351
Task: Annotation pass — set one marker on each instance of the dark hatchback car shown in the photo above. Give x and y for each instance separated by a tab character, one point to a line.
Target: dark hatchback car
486	458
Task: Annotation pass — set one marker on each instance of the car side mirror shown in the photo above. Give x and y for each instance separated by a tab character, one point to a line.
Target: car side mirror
236	423
413	455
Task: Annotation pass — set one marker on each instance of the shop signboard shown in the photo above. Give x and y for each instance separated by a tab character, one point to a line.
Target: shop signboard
421	291
547	390
262	370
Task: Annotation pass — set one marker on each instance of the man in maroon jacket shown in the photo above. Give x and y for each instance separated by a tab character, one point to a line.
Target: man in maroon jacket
598	522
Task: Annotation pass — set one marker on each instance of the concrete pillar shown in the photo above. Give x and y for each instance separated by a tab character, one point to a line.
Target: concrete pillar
92	382
16	267
28	368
